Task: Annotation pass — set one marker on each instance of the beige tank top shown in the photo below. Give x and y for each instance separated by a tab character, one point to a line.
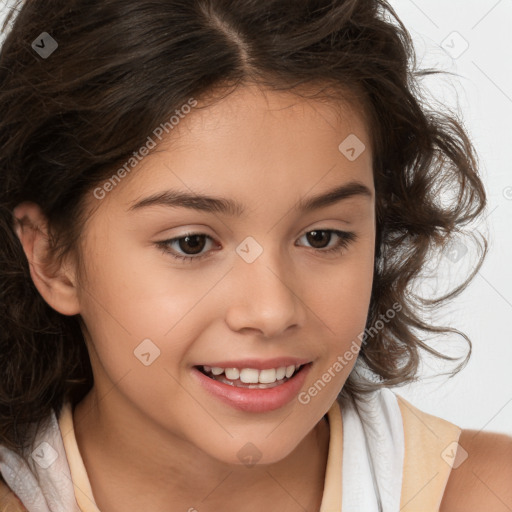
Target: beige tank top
430	443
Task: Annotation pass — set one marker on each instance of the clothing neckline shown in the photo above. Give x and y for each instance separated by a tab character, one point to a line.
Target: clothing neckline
331	498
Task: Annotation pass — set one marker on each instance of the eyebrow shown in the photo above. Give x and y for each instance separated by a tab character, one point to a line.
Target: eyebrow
230	207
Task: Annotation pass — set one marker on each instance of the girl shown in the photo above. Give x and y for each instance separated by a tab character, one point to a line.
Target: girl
212	214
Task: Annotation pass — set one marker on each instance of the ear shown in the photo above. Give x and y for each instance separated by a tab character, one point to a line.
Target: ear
55	282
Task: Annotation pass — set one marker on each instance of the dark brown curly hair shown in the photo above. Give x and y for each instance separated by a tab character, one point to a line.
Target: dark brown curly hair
123	66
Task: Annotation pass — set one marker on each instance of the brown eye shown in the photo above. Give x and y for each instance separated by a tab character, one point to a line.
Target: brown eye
192	244
319	239
188	247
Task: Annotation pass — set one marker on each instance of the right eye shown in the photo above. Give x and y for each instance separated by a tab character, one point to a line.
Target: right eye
192	242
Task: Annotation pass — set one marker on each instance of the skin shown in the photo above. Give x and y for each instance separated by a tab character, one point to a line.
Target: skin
480	480
150	435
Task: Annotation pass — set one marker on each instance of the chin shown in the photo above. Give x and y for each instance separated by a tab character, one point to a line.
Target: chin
252	453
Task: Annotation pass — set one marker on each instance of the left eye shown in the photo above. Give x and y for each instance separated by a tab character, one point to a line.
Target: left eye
194	243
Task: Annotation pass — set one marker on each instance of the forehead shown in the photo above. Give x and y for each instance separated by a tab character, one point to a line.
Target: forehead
254	110
259	141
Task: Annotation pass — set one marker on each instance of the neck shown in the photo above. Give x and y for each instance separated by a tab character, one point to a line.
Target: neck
129	467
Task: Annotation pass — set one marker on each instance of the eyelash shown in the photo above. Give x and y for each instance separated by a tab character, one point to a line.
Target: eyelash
346	238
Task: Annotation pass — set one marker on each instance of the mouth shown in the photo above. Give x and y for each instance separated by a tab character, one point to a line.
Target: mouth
229	385
251	378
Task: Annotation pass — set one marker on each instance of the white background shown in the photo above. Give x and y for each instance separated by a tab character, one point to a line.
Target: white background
479	397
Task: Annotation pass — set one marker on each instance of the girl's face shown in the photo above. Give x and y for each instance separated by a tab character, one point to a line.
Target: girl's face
262	285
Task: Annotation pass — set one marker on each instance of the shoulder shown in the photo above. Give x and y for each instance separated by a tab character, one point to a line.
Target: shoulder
481	477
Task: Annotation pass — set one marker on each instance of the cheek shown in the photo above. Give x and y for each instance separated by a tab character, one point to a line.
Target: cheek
342	292
341	300
132	286
133	295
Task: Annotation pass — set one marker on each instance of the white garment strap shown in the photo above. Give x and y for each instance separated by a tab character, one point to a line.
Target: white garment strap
48	461
373	453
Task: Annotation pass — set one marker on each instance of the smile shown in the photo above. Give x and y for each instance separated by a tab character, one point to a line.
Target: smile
251	378
255	396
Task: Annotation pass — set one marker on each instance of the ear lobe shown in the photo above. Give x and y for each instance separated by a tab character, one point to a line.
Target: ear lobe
55	282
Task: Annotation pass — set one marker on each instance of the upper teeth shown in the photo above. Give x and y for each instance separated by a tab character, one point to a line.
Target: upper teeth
254	376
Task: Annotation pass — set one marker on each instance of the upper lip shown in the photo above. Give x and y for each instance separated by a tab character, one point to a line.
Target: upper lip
259	364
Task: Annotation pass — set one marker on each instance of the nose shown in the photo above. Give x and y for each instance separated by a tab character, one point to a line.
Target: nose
262	298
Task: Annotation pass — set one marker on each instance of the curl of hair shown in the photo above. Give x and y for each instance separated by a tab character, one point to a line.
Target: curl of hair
122	67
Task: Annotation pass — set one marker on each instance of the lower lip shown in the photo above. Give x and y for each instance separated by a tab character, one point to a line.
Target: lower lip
255	400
